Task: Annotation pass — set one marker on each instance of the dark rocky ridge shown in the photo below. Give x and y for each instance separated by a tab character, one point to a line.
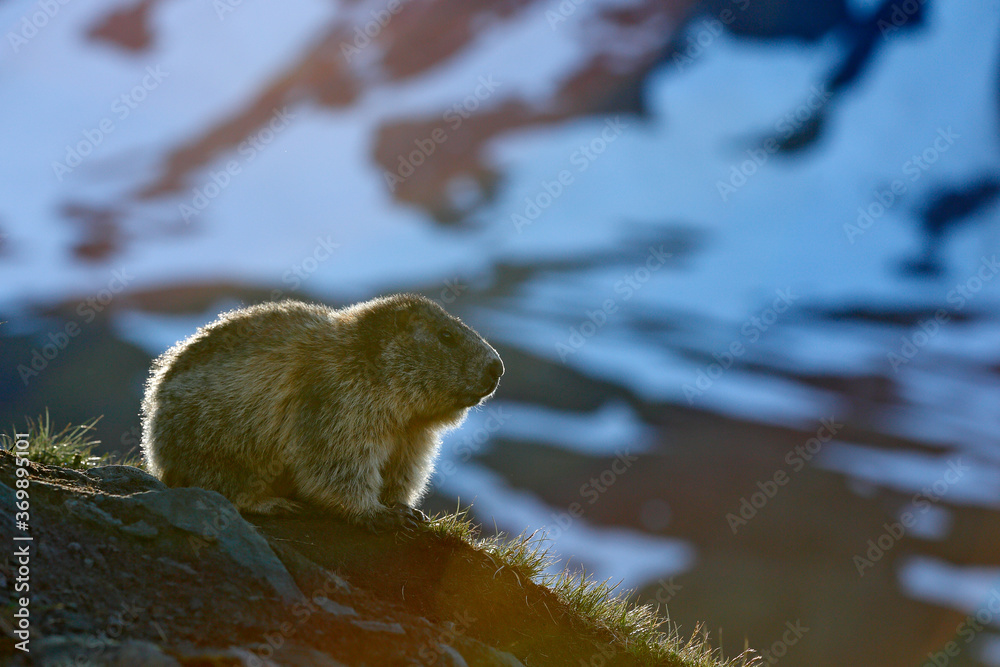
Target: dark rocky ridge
125	571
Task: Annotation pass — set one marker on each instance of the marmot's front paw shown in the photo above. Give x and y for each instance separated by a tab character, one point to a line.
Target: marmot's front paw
416	515
394	518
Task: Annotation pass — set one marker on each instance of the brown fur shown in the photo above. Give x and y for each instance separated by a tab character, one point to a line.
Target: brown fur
339	408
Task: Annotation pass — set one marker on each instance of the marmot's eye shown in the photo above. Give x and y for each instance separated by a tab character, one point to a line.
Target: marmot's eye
448	338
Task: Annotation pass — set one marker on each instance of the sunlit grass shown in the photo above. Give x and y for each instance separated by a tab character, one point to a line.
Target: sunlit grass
639	629
69	447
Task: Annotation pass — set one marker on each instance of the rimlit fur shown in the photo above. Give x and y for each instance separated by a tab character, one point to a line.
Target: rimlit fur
287	402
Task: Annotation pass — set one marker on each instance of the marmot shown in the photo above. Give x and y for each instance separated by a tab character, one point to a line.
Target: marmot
342	409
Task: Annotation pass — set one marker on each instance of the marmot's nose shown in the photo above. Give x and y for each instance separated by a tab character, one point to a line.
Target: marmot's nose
491	376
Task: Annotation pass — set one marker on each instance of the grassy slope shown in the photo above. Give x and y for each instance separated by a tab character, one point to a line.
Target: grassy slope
635	628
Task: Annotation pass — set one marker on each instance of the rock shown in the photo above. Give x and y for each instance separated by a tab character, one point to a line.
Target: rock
310	577
296	655
75	621
142	653
58	651
141	529
449	657
209	515
477	654
246	658
331	607
87	511
125	480
378	626
170	562
180	568
501	658
288	655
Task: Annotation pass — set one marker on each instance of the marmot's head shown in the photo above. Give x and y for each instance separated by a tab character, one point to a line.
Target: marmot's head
428	358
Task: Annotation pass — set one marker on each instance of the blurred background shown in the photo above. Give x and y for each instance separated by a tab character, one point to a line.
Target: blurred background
739	257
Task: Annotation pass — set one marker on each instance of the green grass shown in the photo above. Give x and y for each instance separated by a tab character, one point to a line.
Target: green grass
638	628
69	447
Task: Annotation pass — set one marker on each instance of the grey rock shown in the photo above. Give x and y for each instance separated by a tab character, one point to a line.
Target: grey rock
170	562
502	658
142	653
449	657
295	655
90	512
203	513
246	657
208	514
125	480
288	655
378	626
477	654
58	651
332	607
312	579
140	529
74	621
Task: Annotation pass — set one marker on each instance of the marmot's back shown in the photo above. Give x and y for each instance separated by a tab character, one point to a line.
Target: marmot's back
223	386
288	401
